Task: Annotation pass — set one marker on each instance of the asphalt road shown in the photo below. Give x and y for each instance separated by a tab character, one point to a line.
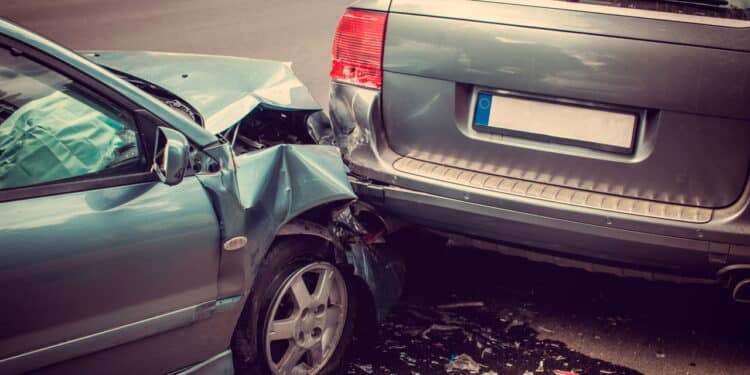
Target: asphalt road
287	30
531	317
515	317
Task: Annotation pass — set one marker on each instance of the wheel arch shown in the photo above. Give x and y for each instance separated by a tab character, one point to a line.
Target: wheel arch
314	225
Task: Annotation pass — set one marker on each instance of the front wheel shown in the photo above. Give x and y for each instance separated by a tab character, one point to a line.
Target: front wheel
305	311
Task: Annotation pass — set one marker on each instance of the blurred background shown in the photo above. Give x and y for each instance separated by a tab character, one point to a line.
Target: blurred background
286	30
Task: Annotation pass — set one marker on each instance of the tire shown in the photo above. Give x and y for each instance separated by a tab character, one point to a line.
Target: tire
289	325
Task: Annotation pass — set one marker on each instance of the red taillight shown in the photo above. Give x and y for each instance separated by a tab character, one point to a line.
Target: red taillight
358	48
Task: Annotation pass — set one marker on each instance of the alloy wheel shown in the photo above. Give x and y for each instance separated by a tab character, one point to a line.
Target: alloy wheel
306	320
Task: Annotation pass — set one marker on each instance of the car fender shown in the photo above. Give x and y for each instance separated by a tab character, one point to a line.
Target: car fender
256	193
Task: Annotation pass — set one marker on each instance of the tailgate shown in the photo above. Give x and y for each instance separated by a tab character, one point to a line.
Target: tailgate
648	106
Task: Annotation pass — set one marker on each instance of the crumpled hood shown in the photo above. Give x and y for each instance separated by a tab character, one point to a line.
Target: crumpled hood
222	89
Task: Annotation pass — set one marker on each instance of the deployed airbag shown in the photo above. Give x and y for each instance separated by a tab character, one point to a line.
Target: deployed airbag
57	137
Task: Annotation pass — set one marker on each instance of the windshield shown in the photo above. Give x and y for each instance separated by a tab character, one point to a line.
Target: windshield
732	9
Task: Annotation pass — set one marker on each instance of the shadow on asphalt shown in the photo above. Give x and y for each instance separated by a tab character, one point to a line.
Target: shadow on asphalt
526	318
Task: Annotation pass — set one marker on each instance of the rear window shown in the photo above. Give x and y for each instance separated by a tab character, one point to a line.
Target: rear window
730	9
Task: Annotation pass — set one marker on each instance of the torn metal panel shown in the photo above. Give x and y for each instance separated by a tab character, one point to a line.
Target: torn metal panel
267	189
319	128
351	116
223	89
382	272
298	177
360	244
374	262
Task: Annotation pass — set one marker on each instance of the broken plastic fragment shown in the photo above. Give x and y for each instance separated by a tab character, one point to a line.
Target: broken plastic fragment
459	305
545	330
438	327
486	351
463	362
366	368
514	323
561	372
540	368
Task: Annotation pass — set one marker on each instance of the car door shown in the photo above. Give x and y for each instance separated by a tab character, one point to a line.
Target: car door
94	251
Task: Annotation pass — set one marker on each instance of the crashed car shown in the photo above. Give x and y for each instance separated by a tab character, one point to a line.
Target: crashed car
612	136
162	213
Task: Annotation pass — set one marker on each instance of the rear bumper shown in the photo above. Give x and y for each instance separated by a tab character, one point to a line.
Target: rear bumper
677	247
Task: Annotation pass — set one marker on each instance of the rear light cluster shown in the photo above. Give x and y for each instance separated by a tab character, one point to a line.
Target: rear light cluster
358	48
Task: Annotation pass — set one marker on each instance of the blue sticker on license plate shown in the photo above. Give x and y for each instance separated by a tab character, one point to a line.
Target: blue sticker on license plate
484	104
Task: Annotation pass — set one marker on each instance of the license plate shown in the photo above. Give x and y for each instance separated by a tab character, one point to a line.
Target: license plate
555	122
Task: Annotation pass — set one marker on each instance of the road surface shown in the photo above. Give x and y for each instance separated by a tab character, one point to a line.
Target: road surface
516	317
287	30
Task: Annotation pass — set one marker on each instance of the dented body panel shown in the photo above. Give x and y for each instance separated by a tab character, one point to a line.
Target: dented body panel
223	89
257	193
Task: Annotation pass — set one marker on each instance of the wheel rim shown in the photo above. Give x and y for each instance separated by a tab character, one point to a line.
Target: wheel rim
306	320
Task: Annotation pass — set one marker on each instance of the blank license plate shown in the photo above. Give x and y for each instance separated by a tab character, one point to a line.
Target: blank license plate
547	121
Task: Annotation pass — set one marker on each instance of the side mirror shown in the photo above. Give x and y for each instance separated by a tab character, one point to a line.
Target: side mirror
171	156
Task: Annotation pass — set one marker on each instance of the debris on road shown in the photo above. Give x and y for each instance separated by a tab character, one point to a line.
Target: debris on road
485	351
365	368
514	345
514	323
540	368
511	335
464	362
438	327
545	330
459	305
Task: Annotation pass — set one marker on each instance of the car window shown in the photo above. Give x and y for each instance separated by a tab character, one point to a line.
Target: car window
53	129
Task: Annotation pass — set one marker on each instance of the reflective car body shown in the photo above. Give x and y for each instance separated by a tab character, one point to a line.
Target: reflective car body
121	273
673	204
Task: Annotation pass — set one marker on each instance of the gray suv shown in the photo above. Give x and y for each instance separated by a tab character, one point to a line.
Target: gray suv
607	135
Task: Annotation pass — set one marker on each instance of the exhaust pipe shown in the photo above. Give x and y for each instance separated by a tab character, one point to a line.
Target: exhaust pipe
741	292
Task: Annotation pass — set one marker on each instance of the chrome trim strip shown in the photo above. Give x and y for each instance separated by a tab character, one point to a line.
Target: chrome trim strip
101	340
553	193
628	12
